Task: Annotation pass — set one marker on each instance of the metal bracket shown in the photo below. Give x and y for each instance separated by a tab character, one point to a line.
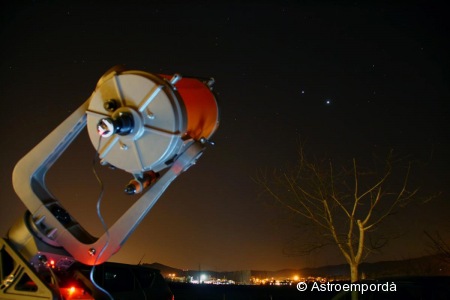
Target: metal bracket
54	225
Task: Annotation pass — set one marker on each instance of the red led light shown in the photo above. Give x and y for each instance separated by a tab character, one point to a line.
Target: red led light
74	292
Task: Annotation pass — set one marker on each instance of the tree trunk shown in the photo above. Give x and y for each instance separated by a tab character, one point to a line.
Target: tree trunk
354	275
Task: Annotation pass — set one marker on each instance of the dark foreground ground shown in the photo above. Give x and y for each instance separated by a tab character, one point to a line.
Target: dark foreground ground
184	291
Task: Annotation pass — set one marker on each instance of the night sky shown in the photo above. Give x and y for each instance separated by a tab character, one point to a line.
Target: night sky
349	80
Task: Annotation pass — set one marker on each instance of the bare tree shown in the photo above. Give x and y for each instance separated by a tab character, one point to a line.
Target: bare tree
439	246
343	206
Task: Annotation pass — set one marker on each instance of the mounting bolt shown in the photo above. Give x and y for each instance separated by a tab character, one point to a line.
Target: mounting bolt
204	140
111	105
92	251
123	146
210	83
175	78
51	233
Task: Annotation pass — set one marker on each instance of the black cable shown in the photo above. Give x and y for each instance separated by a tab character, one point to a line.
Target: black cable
105	227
